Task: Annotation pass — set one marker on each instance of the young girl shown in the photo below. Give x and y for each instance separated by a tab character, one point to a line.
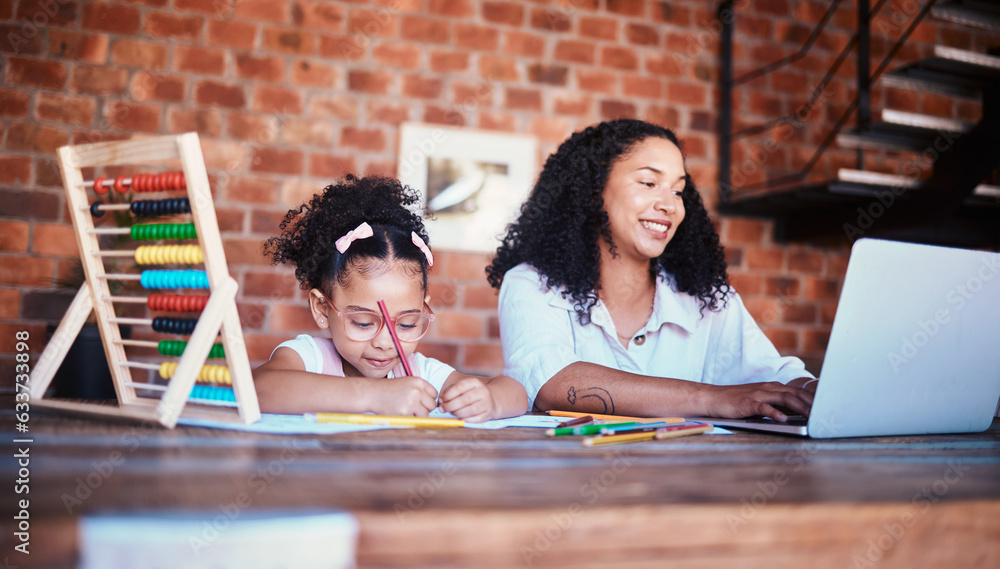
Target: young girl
352	245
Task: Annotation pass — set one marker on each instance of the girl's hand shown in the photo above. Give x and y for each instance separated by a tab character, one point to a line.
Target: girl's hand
767	399
407	396
468	398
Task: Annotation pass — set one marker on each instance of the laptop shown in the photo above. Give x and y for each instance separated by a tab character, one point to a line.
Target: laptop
915	346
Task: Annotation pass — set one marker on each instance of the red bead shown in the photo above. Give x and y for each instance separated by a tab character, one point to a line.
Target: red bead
99	186
120	185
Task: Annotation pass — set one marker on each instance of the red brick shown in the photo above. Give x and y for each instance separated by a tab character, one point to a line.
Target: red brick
75	45
626	7
525	99
471	36
365	24
28	271
466	266
641	34
740	230
343	107
200	60
772	7
642	87
449	61
220	94
225	155
399	55
252	127
783	287
54	239
671	65
269	284
289	41
15	169
126	116
484	358
135	53
371	139
349	48
575	51
35	73
217	8
307	132
15	41
253	190
262	68
10	302
442	294
453	8
549	74
686	94
499	68
47	14
597	81
151	86
314	73
375	82
65	108
746	284
618	109
822	289
318	15
277	100
34	137
330	166
458	325
438	115
503	13
550	129
262	10
414	6
472	95
110	18
550	20
387	112
805	261
480	297
599	28
14	236
14	103
619	57
7	9
231	34
574	105
520	43
425	30
164	25
244	252
758	258
206	122
497	121
277	161
422	87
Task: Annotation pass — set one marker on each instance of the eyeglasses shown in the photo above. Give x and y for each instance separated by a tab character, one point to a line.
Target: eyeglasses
364	325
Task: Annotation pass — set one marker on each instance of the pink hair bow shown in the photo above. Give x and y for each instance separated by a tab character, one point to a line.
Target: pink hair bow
362	231
423	248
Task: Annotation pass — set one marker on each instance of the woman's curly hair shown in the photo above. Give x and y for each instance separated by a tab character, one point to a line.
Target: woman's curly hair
309	232
562	220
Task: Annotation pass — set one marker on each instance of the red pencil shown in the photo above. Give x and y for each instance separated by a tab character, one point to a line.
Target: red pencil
395	338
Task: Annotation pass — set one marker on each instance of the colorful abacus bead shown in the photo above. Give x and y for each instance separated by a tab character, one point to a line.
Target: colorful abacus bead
174	279
177	302
211	374
153	231
181	326
99	186
157	208
176	348
169	254
213	393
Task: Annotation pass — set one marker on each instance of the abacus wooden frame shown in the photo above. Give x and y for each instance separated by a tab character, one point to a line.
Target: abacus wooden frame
220	315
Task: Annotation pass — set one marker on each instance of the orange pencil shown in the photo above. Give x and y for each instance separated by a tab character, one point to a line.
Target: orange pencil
614	439
616	418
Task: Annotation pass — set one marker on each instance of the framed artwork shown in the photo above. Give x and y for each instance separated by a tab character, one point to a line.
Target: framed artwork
473	182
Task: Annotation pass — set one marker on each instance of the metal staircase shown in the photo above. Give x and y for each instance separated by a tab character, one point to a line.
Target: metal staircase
954	201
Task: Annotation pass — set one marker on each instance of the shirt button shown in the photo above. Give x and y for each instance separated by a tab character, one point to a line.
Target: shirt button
640	340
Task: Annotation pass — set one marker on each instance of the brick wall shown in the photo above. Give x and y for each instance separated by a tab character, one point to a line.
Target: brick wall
288	95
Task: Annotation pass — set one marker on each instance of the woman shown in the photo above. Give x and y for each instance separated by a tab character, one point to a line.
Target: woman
614	296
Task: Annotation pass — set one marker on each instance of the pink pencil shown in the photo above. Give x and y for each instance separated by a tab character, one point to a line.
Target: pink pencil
395	338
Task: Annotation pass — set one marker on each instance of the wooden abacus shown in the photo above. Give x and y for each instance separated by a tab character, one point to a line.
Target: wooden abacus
229	395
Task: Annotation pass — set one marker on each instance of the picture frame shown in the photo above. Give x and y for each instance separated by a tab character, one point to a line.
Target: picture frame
471	181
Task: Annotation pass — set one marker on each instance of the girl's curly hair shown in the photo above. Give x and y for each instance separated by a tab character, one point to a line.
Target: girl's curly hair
562	220
309	233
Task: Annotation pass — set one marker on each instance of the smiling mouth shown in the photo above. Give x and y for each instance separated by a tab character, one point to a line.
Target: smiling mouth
379	363
660	227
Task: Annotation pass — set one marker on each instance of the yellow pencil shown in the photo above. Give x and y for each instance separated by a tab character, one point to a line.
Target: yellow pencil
394	420
616	418
613	439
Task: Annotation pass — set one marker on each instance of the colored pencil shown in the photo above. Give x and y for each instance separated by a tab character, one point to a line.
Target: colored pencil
682	430
395	339
617	418
591	429
633	428
615	439
394	420
576	422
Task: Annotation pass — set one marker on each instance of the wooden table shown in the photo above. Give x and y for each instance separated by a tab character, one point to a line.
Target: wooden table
515	498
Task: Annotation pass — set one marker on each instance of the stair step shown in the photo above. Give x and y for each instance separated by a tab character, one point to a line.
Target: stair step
925	121
891	136
949	71
877	179
984	15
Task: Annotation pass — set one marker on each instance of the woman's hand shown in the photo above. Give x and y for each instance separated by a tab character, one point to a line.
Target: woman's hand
408	396
468	398
771	399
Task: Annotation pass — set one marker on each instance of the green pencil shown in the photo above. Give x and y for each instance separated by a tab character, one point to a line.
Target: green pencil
592	429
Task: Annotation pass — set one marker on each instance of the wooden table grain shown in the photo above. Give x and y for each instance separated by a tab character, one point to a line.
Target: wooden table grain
515	498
